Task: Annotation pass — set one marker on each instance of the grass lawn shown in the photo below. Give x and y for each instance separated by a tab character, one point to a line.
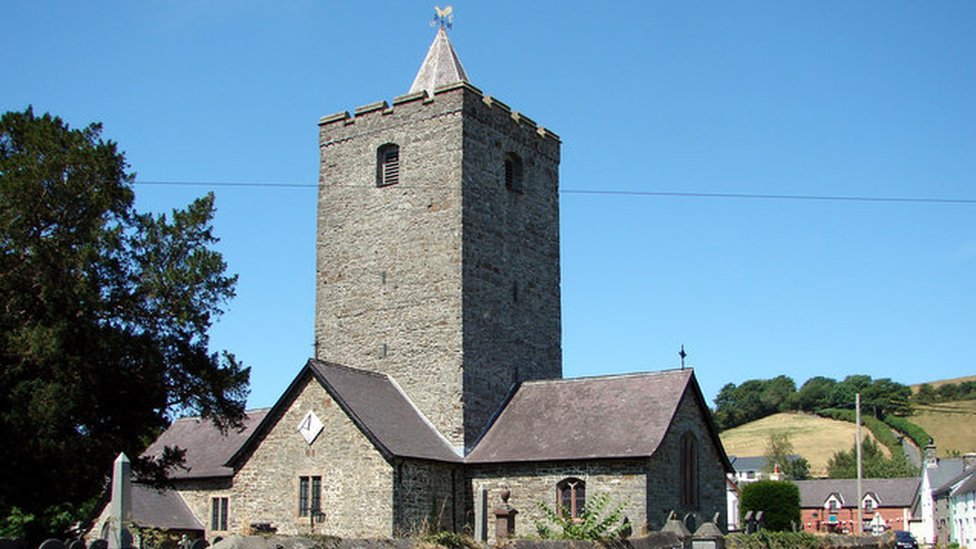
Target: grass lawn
813	437
951	424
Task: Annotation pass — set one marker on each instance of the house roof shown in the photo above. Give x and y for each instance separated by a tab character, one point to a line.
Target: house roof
889	492
441	67
955	484
163	509
207	449
754	463
375	403
621	416
944	473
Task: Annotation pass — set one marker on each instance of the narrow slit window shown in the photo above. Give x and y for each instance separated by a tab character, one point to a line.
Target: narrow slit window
387	165
513	173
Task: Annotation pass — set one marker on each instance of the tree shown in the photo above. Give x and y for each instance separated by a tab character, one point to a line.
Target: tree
815	394
103	320
778	500
874	464
779	452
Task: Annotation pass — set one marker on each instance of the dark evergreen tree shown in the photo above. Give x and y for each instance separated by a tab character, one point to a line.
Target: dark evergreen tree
104	314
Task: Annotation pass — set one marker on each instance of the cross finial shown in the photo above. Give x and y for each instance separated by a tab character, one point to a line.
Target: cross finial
682	354
443	17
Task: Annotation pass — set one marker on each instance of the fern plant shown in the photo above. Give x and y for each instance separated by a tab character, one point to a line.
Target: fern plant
596	522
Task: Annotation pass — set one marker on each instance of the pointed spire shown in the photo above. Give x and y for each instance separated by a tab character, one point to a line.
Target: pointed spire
441	66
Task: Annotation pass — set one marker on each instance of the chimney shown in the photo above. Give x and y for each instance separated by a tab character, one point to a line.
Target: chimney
969	461
929	457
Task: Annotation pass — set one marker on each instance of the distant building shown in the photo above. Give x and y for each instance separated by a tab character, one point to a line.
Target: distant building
435	396
954	507
935	475
831	505
752	468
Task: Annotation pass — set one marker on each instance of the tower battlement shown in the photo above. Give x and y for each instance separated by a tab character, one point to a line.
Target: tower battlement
421	99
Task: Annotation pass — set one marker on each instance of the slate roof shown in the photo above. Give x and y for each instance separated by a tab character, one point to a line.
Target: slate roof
958	481
944	473
163	509
622	416
441	67
754	463
890	492
207	450
375	403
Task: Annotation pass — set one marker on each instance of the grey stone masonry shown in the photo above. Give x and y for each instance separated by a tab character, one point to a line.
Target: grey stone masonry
357	482
447	280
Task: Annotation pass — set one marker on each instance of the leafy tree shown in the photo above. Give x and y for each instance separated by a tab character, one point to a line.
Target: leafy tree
754	399
874	464
779	451
103	324
885	396
926	394
815	393
778	500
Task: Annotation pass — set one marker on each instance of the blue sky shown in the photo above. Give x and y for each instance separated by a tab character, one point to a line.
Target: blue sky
826	98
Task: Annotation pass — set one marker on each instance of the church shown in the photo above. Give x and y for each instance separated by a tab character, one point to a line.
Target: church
435	398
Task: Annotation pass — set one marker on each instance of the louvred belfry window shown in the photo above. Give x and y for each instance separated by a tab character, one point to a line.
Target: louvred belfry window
388	165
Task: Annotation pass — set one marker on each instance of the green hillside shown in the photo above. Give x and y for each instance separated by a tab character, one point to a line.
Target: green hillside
813	437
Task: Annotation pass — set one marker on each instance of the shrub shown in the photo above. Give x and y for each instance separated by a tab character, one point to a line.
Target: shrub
594	523
778	500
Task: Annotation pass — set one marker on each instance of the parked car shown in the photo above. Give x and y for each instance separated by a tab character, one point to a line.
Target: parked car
905	540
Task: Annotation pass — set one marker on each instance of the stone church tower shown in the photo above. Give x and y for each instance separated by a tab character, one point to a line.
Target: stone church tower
438	246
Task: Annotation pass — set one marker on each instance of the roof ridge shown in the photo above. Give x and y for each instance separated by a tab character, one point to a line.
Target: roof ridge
648	373
351	368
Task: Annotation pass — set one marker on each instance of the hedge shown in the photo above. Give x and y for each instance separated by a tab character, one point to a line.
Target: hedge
918	435
877	427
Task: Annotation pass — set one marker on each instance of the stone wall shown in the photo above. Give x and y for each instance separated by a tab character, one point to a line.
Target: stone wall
511	259
533	484
429	497
197	494
663	488
447	280
357	482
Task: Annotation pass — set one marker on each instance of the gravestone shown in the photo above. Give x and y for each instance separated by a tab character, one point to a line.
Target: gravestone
77	544
99	544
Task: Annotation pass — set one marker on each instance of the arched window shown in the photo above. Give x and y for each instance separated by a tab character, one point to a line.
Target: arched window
571	496
689	470
513	173
387	165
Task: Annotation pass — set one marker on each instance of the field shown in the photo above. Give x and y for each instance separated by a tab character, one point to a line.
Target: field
951	424
813	437
937	384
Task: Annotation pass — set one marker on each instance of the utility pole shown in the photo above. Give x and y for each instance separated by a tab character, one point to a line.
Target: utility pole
860	496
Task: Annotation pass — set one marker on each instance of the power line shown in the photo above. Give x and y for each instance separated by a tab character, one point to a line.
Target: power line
593	192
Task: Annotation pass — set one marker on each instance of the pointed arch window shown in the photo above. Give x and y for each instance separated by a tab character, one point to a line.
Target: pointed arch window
513	173
571	497
688	475
388	165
